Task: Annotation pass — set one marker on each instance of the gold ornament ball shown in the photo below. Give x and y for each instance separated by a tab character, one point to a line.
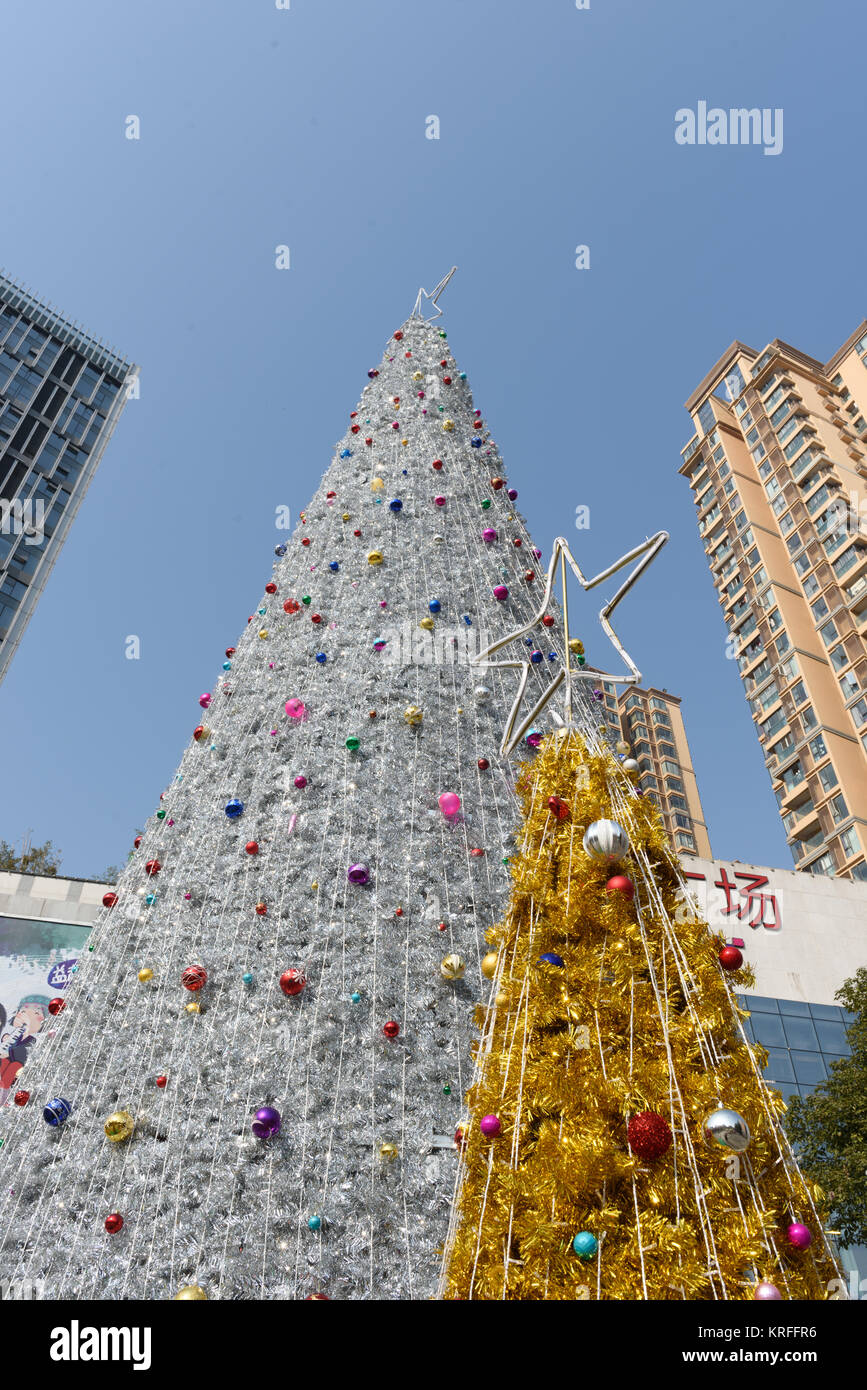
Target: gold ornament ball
489	965
452	967
119	1126
427	624
374	557
145	975
194	1007
388	1152
413	714
190	1293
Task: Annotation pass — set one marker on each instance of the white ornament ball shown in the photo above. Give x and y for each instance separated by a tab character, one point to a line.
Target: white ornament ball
606	841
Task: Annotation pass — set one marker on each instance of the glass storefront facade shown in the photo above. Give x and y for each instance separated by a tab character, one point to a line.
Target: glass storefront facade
803	1041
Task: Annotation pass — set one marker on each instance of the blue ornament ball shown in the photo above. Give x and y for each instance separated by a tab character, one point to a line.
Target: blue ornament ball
234	808
585	1245
57	1112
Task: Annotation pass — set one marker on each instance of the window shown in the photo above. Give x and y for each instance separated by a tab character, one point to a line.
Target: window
818	749
859	713
849	842
850	684
828	632
827	776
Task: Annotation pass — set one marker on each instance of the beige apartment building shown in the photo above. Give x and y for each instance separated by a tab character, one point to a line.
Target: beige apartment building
651	723
778	469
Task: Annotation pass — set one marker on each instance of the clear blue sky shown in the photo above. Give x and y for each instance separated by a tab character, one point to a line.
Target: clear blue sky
307	127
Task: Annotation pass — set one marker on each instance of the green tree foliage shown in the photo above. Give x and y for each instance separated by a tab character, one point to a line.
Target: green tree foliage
829	1128
33	859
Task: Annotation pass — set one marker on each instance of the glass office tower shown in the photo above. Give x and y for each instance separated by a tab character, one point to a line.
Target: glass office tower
61	394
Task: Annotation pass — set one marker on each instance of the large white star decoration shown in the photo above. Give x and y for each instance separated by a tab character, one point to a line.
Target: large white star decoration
643	553
432	297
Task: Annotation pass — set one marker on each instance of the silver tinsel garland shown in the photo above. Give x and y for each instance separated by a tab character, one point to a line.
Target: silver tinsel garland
352	1198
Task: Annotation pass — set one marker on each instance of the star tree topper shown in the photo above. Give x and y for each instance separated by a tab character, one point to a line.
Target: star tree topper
644	554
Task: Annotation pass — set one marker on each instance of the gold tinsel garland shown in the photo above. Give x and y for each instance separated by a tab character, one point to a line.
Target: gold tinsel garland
639	1018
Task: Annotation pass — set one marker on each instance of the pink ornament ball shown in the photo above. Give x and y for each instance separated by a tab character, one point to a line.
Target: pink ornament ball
490	1126
450	804
439	501
500	592
295	708
767	1293
800	1236
204	701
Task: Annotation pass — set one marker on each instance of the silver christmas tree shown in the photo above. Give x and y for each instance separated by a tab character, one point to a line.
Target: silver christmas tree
301	927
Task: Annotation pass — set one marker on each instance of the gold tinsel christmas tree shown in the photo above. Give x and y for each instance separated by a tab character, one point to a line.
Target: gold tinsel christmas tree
621	1143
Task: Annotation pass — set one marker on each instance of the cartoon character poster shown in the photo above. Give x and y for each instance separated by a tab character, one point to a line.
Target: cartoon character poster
36	960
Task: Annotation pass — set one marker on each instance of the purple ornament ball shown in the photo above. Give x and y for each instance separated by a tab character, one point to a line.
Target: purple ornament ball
767	1293
267	1122
799	1235
490	1126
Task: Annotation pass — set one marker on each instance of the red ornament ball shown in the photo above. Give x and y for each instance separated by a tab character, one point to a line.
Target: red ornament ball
621	884
161	1081
292	982
56	1006
152	867
391	1029
270	588
113	1223
251	847
558	807
649	1135
194	977
730	958
21	1097
483	764
109	899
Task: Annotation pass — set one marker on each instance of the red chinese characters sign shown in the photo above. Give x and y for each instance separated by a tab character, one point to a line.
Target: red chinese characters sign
742	897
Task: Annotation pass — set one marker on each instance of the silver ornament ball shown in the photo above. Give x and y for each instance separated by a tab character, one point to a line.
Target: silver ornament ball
728	1129
606	841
